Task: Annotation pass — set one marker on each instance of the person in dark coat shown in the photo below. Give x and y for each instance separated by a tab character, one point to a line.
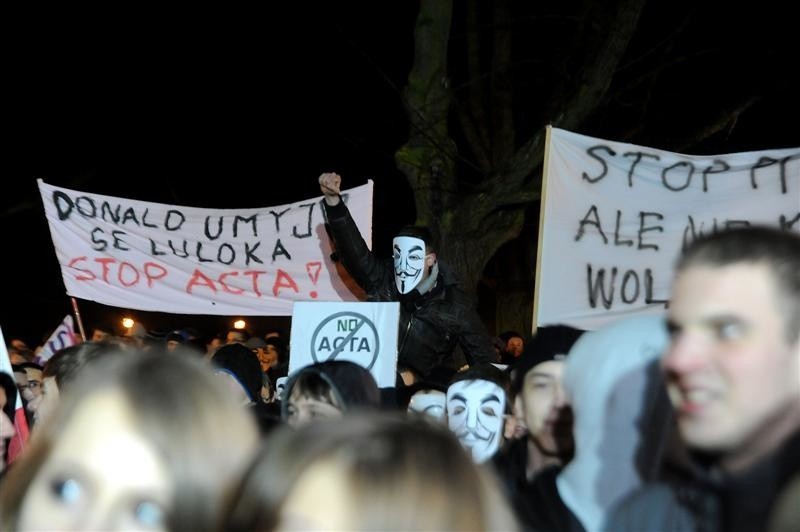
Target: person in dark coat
436	316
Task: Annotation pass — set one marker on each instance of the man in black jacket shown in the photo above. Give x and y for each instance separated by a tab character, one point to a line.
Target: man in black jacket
435	315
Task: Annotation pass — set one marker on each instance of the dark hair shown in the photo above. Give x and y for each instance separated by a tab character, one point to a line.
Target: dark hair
351	385
423	233
483	372
243	364
66	363
508	335
315	386
777	249
28	365
7	383
176	336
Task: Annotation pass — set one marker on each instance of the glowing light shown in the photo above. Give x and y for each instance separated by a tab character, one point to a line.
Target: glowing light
239	324
128	322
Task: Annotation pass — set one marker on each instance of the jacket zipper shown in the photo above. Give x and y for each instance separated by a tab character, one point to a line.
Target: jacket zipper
405	336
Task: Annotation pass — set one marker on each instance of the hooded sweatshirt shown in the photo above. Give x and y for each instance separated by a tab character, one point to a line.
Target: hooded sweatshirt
622	415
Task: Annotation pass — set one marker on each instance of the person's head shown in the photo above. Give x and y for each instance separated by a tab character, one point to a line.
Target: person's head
20	355
140	441
214	343
8	397
734	358
136	335
540	401
275	333
175	339
102	332
427	401
621	415
326	390
239	368
18	343
33	372
367	473
266	351
62	369
476	408
514	343
21	378
239	336
414	255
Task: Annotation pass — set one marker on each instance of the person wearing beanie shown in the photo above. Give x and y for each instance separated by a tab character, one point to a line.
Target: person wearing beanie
542	412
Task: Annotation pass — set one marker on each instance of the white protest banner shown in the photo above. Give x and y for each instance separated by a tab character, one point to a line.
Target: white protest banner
616	216
364	333
186	260
63	336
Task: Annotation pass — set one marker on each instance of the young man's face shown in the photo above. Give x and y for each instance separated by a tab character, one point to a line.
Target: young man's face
34	381
730	368
545	408
411	263
475	414
267	356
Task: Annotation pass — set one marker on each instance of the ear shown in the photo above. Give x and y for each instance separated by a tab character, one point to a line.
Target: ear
519	410
520	428
430	259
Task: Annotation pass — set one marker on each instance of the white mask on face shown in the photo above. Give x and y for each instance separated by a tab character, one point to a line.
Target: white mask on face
475	414
409	262
428	402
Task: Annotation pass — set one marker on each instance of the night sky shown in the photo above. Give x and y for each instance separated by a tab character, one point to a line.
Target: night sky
245	109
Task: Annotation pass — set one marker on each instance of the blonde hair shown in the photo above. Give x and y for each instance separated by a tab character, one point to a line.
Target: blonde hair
404	474
180	408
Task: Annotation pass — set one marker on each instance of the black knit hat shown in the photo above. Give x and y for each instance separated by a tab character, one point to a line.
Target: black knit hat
547	344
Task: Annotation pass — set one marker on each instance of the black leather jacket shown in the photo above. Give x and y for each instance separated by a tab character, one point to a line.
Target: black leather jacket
432	324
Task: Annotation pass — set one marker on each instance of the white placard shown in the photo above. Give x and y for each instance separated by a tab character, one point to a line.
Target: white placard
364	333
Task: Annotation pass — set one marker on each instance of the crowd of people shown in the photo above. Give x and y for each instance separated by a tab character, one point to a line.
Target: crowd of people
689	421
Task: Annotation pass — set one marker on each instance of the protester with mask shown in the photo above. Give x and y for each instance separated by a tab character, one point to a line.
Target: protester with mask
435	315
476	410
